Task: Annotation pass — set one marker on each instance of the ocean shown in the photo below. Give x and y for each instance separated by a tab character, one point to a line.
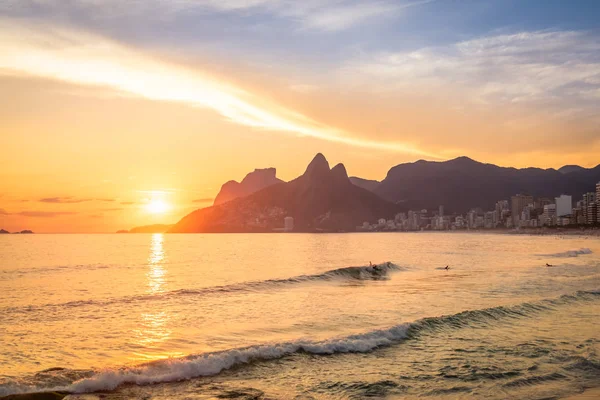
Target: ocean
300	316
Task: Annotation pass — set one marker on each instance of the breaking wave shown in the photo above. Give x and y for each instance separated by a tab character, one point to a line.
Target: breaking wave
208	364
362	273
569	253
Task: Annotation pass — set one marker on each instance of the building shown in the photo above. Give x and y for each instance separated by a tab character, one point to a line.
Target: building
589	208
541	202
564	205
598	202
489	219
441	211
549	215
288	224
518	204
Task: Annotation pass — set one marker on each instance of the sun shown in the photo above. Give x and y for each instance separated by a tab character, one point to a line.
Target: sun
157	207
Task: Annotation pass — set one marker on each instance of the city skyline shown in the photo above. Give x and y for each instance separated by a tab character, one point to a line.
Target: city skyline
518	211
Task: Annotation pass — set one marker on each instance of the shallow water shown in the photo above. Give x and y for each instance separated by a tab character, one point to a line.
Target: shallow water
300	315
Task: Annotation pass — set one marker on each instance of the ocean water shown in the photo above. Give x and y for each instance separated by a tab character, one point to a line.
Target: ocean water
300	316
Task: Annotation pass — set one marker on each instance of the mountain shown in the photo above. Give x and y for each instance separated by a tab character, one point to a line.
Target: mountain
567	169
253	182
3	231
320	199
462	184
368	184
156	228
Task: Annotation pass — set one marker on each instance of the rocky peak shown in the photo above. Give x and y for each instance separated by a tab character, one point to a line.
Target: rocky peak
339	173
318	167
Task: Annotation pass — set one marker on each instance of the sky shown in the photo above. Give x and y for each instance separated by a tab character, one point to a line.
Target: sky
119	113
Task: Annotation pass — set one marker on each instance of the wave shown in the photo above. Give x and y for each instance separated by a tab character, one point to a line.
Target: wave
569	253
209	364
361	273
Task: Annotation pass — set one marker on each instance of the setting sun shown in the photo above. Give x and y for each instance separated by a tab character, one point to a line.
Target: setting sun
157	207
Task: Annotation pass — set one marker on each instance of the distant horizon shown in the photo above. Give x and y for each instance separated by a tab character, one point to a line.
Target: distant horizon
145	207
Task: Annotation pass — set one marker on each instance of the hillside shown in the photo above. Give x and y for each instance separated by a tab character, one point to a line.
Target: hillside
320	199
462	184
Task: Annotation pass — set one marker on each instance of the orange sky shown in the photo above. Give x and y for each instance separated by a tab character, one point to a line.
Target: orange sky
94	128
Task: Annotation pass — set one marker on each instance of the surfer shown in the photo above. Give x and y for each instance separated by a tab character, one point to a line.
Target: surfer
447	267
549	265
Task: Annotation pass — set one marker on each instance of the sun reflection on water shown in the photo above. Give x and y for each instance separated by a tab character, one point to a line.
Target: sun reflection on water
156	272
153	329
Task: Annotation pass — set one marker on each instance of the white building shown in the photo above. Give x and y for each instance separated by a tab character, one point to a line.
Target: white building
564	205
288	224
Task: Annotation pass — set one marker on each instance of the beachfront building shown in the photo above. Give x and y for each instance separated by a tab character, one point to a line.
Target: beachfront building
288	224
548	217
518	204
598	202
564	205
590	208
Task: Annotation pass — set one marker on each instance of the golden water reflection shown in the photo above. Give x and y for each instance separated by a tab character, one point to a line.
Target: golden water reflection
153	329
156	272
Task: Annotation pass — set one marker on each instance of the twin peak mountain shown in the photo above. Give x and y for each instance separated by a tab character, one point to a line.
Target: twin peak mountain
324	199
321	199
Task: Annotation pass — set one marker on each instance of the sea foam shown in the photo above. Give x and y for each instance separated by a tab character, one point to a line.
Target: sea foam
212	363
569	253
208	364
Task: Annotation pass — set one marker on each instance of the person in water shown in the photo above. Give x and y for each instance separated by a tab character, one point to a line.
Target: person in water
548	265
447	267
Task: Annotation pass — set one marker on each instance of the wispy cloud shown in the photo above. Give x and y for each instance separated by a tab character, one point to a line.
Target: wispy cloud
552	68
337	16
43	214
321	15
63	200
87	59
128	203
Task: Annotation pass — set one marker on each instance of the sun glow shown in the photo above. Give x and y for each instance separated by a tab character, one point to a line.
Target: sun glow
157	207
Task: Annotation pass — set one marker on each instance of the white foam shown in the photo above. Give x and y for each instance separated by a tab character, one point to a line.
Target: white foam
212	363
569	253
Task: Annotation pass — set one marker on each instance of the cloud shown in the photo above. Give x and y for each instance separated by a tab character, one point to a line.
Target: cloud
63	200
320	15
337	16
87	59
559	70
106	200
44	214
204	200
128	202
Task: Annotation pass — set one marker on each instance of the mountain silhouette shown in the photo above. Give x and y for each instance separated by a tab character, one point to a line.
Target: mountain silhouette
368	184
320	199
462	183
567	169
253	182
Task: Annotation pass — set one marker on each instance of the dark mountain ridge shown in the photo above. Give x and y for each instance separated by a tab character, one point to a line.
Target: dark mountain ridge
462	183
320	199
253	182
